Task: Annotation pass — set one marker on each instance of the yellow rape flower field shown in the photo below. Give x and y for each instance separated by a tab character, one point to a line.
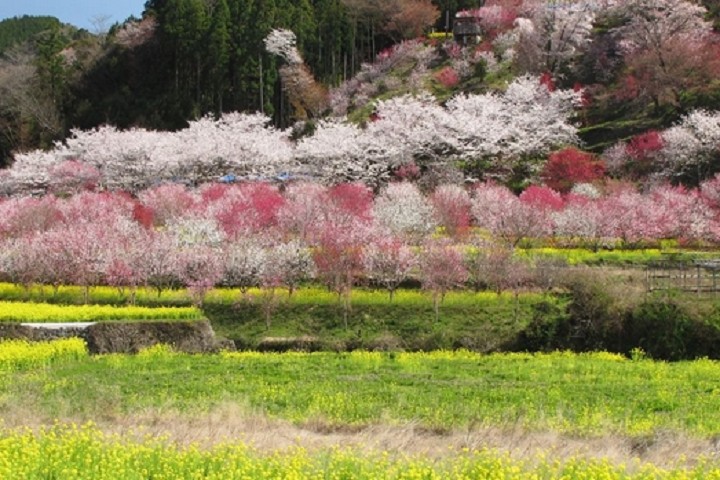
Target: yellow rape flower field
45	312
67	414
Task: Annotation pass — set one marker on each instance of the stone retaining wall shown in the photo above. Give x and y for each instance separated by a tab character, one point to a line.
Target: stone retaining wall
129	337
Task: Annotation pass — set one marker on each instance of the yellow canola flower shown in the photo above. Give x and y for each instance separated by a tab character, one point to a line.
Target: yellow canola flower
26	312
84	452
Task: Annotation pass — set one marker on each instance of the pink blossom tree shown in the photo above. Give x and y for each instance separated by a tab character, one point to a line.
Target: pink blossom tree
442	269
167	202
542	198
22	216
339	259
199	269
581	222
389	261
451	209
304	210
498	210
72	176
248	209
160	262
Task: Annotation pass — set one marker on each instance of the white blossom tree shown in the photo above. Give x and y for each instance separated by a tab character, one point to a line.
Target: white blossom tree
404	211
525	121
554	36
691	147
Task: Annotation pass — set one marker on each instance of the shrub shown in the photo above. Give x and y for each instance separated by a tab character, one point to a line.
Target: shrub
541	334
666	330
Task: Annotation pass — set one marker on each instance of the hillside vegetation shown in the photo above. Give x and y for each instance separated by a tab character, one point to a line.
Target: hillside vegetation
188	58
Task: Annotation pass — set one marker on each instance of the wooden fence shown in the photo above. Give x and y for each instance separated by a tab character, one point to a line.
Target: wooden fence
698	276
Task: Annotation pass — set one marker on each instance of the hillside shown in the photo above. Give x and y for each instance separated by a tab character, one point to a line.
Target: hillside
16	30
184	60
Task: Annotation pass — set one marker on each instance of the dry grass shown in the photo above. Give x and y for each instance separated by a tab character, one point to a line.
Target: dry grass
233	423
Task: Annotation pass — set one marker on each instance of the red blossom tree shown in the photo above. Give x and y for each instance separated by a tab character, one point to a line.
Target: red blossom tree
569	166
247	209
447	77
643	150
542	198
352	200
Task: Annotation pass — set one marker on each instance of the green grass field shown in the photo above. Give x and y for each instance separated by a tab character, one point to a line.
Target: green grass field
55	386
579	394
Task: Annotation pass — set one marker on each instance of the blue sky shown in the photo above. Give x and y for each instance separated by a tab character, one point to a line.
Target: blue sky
77	12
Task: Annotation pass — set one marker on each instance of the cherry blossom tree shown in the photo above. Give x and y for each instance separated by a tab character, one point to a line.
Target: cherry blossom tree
554	36
291	263
403	210
195	230
22	261
664	42
498	210
199	268
410	18
389	261
451	209
581	222
339	259
167	202
442	269
505	132
243	261
691	147
307	96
